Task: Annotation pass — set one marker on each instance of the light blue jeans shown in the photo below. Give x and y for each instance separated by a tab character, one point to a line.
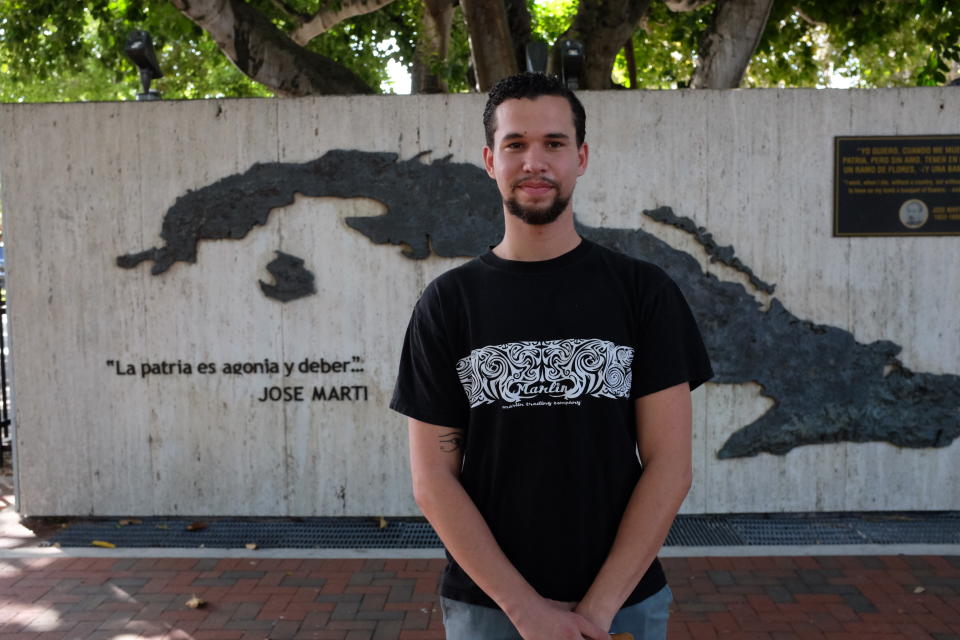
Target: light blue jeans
646	620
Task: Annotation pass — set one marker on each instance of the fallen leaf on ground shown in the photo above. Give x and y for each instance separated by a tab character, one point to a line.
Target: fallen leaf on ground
919	590
196	526
161	526
124	523
196	602
104	544
383	522
251	545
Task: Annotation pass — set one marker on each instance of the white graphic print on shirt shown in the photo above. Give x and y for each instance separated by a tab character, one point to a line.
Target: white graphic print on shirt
566	369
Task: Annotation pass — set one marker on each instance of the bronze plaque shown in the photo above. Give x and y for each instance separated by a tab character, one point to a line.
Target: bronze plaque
896	186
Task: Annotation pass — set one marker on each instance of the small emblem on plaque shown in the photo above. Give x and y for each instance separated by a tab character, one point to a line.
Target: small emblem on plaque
914	213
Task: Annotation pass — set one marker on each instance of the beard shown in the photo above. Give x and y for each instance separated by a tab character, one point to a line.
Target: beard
538	215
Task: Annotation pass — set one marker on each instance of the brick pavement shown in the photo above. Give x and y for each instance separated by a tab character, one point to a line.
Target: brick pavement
835	598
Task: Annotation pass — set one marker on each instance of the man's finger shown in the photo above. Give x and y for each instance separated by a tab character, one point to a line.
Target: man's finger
590	630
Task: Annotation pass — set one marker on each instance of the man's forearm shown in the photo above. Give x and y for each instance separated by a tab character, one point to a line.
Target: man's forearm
435	462
663	420
643	528
469	540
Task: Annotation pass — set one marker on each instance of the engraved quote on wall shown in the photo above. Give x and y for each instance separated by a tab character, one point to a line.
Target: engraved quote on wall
331	372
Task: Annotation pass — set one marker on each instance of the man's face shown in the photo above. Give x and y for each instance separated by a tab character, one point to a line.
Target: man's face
535	159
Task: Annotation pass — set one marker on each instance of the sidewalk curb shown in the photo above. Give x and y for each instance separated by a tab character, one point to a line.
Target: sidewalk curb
309	554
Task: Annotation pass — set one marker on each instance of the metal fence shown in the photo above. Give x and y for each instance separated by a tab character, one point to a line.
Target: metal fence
4	390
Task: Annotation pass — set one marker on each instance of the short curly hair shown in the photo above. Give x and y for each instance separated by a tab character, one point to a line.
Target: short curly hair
531	85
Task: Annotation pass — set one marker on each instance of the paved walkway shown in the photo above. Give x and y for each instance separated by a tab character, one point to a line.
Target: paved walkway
142	593
837	598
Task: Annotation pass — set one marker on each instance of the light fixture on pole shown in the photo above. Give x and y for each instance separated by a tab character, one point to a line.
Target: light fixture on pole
537	54
139	49
571	63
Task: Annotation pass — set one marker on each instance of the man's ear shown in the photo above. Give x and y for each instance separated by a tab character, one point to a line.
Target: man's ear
488	161
584	153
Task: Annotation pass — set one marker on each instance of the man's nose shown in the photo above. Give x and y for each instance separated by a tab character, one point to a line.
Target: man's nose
534	160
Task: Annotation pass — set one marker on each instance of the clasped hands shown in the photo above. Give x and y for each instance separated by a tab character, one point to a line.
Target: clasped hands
555	620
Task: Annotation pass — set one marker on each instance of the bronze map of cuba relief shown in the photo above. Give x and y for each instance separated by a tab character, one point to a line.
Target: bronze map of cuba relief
826	387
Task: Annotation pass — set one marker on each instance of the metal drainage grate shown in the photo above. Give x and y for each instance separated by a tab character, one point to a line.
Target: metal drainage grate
911	529
794	531
326	533
702	531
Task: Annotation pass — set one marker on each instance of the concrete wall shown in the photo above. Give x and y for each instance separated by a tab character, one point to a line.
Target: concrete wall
85	183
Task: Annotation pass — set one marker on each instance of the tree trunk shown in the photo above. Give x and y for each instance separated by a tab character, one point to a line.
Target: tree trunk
521	31
432	46
631	62
603	26
490	44
265	54
727	47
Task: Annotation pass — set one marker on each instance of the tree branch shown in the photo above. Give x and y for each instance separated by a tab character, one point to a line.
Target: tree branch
682	6
298	16
266	54
326	18
808	19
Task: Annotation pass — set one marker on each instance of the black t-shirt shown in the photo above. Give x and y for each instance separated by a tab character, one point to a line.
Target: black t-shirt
539	363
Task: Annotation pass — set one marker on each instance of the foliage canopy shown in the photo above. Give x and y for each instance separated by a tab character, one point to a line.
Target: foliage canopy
56	51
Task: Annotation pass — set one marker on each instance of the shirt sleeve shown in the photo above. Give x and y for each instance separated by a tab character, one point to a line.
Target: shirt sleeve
428	388
669	348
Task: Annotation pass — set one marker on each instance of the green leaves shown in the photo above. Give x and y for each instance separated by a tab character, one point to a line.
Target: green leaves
62	51
887	42
665	48
58	51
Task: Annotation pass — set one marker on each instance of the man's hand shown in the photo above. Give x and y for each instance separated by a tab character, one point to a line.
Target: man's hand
600	618
552	620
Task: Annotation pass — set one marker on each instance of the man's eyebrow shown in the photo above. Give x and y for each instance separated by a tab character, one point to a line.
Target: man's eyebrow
513	135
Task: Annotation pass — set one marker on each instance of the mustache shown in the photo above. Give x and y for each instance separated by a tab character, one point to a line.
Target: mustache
522	181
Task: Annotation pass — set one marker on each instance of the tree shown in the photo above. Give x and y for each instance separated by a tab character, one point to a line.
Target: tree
726	48
57	51
51	54
433	47
277	59
878	44
888	42
52	51
491	43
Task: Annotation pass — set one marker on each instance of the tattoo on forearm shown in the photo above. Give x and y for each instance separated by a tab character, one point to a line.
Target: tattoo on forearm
451	441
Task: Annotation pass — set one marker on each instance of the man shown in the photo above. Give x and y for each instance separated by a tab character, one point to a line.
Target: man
536	378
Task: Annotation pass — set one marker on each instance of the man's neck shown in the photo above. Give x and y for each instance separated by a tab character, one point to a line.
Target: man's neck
534	243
